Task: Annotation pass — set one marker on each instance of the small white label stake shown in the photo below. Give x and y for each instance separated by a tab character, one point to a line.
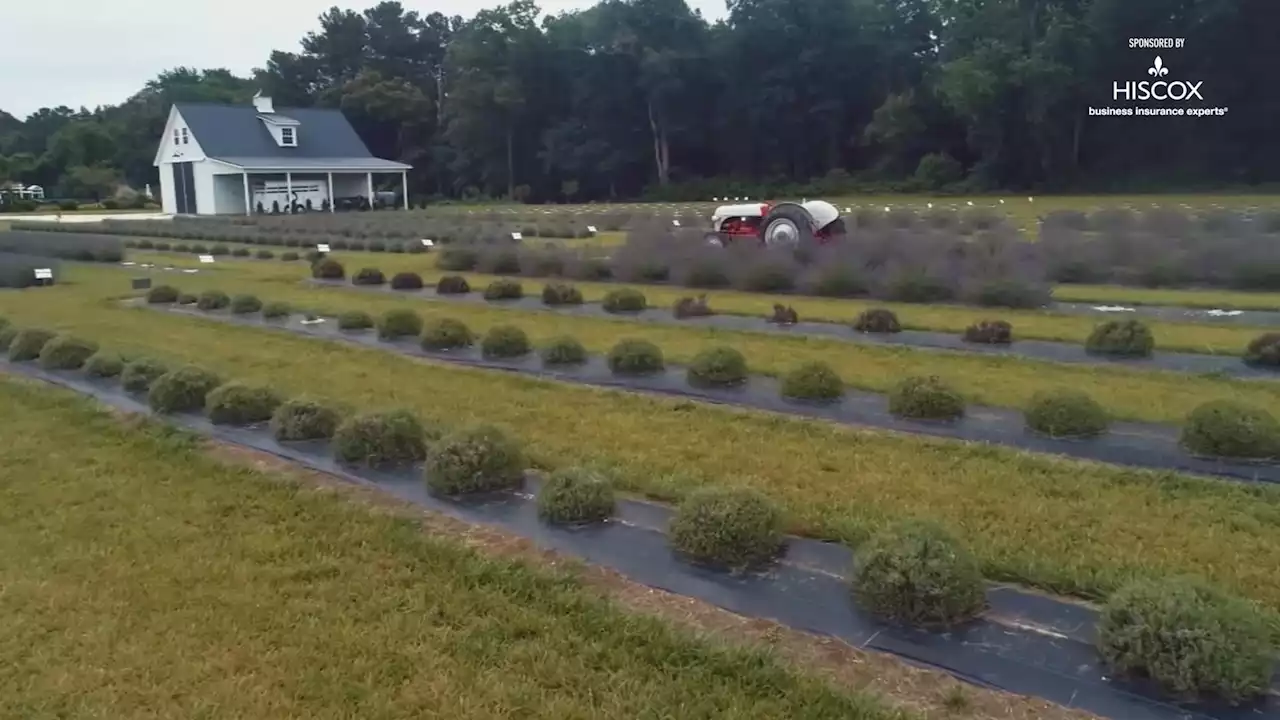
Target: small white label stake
591	229
427	242
516	236
44	273
322	247
206	258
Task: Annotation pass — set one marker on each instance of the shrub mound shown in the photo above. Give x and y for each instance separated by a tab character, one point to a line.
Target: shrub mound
877	320
328	269
624	300
289	256
916	573
814	381
27	343
245	304
688	307
138	375
237	403
399	323
182	390
452	285
635	357
368	276
477	459
391	437
1190	638
925	398
989	332
304	419
564	350
1120	338
187	299
7	334
554	294
446	334
1223	428
505	341
504	289
733	528
276	309
213	300
1263	351
575	496
162	294
104	364
717	367
1066	413
354	320
66	352
406	281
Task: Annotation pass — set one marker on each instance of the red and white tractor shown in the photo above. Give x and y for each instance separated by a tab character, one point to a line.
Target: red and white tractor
786	224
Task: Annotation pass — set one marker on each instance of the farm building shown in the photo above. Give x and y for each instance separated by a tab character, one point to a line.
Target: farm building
246	159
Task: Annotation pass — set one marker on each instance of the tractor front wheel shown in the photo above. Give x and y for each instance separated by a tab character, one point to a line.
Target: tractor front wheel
786	226
714	239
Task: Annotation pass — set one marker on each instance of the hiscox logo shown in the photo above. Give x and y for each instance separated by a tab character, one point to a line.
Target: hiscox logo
1160	90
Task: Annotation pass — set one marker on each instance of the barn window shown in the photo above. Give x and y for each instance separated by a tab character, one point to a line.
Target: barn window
177	137
184	136
287	137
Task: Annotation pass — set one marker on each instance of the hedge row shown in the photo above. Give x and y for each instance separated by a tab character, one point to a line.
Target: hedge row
1114	338
299	243
1214	429
1189	637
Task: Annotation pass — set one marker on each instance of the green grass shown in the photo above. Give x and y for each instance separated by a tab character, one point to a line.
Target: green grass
144	579
1128	393
1057	524
1027	324
1205	299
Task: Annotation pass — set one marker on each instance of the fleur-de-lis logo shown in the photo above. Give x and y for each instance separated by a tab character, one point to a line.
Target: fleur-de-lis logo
1158	70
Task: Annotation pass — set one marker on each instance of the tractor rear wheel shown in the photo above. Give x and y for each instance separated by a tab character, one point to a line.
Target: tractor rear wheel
786	226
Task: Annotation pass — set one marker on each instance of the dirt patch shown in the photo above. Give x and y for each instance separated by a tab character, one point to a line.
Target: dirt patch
931	694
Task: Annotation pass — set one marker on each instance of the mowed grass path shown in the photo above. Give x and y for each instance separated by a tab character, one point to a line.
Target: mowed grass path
143	579
1010	382
1058	524
1027	324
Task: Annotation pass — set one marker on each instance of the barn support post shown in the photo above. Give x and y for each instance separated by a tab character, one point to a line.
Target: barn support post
404	185
369	183
288	190
248	205
331	202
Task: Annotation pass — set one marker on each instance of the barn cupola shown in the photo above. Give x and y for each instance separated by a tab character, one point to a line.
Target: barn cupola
283	129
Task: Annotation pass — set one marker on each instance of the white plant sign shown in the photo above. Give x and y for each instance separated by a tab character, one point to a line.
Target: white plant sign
322	247
206	258
517	236
44	273
428	242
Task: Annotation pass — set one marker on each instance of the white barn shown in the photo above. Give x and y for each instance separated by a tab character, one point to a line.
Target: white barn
245	159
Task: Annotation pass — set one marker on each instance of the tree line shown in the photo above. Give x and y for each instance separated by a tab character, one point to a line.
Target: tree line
636	98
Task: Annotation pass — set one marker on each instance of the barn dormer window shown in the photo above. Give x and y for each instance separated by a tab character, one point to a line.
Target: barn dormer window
288	138
185	136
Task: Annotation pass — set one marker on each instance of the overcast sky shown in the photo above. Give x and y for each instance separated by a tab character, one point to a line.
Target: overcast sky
85	52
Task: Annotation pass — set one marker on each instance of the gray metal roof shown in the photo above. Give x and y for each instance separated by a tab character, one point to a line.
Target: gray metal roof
234	131
283	164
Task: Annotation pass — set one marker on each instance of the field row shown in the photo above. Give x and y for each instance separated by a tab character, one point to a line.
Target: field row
1222	338
1127	394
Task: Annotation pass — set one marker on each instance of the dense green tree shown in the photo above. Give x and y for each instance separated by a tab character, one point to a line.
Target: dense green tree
782	96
